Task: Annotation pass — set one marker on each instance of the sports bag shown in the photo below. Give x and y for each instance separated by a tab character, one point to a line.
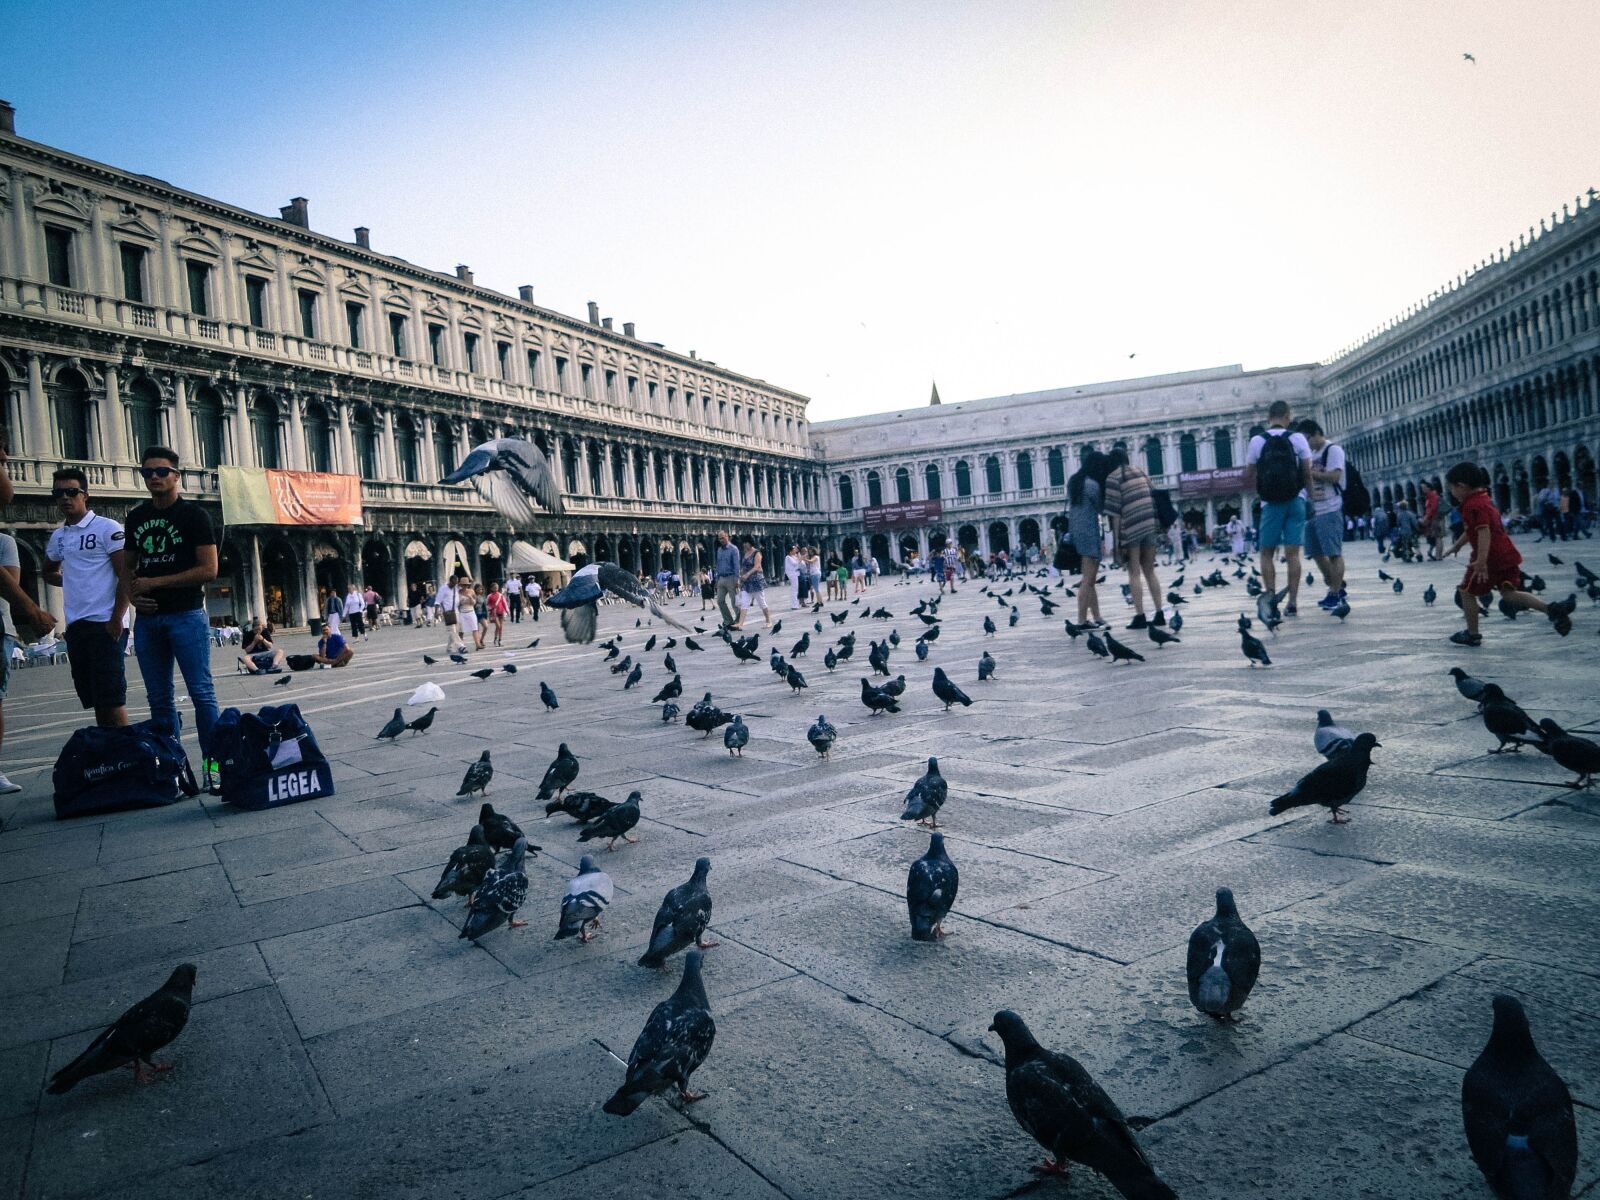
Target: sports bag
111	770
269	758
1277	468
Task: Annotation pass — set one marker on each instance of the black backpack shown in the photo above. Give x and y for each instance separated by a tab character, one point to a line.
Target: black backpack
1278	476
1166	511
1357	501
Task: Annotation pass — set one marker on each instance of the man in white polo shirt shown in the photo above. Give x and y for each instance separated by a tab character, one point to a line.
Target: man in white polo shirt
86	563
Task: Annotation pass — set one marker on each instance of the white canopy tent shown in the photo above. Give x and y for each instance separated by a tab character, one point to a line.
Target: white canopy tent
527	560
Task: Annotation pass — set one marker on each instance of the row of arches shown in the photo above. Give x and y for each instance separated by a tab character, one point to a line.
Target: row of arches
1514	483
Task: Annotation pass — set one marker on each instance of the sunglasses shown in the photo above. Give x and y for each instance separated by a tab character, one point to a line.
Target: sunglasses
157	472
67	493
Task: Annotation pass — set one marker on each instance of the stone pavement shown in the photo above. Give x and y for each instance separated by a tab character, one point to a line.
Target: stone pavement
344	1042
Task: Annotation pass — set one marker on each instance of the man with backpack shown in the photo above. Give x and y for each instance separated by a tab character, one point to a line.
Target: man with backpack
1278	466
1325	526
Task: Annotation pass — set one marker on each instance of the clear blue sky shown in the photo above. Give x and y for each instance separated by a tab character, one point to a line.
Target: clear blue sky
851	199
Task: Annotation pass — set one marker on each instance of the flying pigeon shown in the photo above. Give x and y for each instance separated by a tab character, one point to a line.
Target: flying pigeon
477	777
498	897
926	797
558	776
578	601
877	700
587	896
1334	783
614	823
736	737
511	473
547	696
500	829
467	866
1330	739
1468	58
584	806
395	727
947	692
985	666
1224	960
1518	1113
822	735
682	919
675	1041
422	723
1068	1113
134	1037
931	891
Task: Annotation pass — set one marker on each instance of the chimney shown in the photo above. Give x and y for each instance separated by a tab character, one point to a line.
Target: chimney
692	354
464	273
525	292
606	321
594	313
296	213
627	329
363	237
8	118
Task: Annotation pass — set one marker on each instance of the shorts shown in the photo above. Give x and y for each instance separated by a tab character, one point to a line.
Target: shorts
467	622
1500	576
1325	535
1283	523
1144	539
263	660
97	672
6	643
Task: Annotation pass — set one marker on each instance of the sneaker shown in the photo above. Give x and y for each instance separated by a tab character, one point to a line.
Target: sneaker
1138	622
1462	638
7	787
1291	611
1159	619
1330	601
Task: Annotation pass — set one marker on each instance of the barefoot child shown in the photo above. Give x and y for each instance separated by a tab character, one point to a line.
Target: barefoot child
1496	565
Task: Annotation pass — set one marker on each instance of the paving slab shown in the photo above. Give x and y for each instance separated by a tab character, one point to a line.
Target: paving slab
658	1172
35	953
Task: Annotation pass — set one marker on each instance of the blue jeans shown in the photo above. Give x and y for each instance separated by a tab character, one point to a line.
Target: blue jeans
159	640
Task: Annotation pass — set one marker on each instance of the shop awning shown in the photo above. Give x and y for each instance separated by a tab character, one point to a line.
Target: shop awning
525	559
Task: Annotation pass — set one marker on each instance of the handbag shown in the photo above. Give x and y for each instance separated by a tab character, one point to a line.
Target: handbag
269	758
104	770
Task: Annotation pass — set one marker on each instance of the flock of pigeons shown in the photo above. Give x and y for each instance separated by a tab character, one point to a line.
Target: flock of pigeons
1517	1111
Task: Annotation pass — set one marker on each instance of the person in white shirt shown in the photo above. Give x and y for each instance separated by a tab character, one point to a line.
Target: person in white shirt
1283	508
88	565
791	572
533	591
1235	528
514	597
1325	527
355	612
446	599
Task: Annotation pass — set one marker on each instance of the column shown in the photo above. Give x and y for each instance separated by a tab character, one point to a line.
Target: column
244	447
387	450
297	433
427	460
113	435
256	602
182	427
39	444
1169	454
347	448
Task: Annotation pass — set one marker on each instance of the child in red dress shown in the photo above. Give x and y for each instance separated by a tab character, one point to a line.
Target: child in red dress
1496	564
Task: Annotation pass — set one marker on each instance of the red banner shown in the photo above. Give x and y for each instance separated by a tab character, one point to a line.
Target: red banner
272	497
898	516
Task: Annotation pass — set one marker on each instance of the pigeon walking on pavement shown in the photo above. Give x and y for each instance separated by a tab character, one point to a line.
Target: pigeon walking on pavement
584	806
498	897
926	797
1503	718
1224	961
822	735
467	866
1330	739
682	919
614	823
500	829
558	776
947	692
585	901
133	1038
394	728
675	1041
985	666
736	736
547	696
422	723
931	891
477	777
1334	783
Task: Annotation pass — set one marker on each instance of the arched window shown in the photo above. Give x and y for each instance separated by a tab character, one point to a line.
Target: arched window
874	489
319	438
930	476
1188	453
1154	460
205	411
364	437
144	416
71	394
1025	471
847	494
1058	468
569	465
991	475
964	482
264	426
597	479
902	485
1222	444
444	449
405	447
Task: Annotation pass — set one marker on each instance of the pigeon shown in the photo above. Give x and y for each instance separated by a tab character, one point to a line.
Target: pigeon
1254	649
800	647
948	692
477	777
706	716
926	797
633	677
1012	618
1176	624
670	690
458	658
745	648
1160	636
985	666
1576	754
584	806
1399	586
682	919
395	727
670	663
736	737
467	866
625	665
1267	610
422	723
284	682
1245	624
1470	688
822	735
429	660
773	632
1334	783
578	602
988	627
931	891
1430	595
500	829
795	680
495	903
511	473
1341	609
877	701
691	644
839	618
669	712
1068	1113
651	644
675	1041
1097	647
533	643
547	696
584	902
612	651
1518	1113
830	659
1224	960
1385	576
878	658
922	650
484	673
558	776
930	634
1537	584
1505	720
1330	739
134	1037
509	668
614	823
894	637
1121	653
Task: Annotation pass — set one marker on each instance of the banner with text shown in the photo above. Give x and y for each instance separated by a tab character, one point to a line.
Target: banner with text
1218	481
252	496
898	516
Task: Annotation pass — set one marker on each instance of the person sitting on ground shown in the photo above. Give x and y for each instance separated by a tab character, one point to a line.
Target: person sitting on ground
263	662
259	637
332	651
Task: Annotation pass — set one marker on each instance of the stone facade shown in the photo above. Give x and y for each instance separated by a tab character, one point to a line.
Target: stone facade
133	312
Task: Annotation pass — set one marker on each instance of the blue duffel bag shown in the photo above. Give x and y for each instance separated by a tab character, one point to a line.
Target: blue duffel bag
110	770
269	758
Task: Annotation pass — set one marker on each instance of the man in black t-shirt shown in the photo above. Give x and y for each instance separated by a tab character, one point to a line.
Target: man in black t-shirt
174	555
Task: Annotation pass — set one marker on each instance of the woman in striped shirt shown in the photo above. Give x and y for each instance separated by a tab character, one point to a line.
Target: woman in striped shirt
1130	507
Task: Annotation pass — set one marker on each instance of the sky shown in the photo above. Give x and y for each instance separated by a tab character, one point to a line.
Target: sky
854	200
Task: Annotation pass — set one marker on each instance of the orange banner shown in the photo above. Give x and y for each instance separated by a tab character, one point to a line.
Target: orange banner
270	497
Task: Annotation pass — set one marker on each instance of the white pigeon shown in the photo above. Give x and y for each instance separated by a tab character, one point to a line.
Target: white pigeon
587	898
1330	738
